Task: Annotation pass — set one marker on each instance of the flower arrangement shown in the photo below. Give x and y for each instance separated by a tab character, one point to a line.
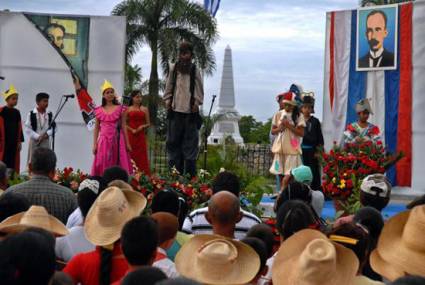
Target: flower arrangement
344	168
69	178
196	191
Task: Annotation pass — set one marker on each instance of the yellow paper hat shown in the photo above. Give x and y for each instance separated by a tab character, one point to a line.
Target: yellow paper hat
9	92
106	85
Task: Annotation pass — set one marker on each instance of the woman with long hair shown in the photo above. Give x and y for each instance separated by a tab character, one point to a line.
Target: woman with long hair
137	122
110	143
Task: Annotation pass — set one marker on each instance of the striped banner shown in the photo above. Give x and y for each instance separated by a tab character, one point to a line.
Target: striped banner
212	6
390	91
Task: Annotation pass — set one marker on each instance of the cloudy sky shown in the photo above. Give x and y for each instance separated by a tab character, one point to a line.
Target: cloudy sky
274	43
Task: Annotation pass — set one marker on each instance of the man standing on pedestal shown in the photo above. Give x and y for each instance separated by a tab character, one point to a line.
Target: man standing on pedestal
183	95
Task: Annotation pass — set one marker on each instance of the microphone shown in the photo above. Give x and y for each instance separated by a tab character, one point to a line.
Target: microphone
69	96
2	78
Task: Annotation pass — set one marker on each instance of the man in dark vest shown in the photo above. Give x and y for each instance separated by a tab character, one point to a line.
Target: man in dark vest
38	125
183	95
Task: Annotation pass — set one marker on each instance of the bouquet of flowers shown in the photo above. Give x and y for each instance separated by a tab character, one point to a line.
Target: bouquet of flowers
344	167
69	178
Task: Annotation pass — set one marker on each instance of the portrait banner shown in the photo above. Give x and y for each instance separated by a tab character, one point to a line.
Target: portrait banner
376	38
69	36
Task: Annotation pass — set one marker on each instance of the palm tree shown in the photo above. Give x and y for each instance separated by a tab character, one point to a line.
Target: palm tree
162	24
133	78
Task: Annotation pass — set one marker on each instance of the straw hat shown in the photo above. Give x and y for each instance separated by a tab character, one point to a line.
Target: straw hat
309	258
109	213
35	216
213	259
401	248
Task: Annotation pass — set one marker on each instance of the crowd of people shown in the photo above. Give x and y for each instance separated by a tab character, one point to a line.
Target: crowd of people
108	233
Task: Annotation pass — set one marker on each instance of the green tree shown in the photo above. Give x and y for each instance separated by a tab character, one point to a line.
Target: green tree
253	131
133	78
162	24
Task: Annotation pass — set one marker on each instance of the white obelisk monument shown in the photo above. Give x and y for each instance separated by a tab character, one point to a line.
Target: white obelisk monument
228	117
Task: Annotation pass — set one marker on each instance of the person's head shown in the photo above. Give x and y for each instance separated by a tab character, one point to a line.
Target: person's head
139	241
165	201
307	107
108	94
293	216
372	219
56	34
12	203
224	213
363	110
42	101
168	225
146	275
279	99
264	233
363	116
136	98
4	180
88	191
354	237
114	173
376	29
261	249
43	162
185	51
27	258
409	280
375	191
294	191
302	174
226	181
11	96
289	102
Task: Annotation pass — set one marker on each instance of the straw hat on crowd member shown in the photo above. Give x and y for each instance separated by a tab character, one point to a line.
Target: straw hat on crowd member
309	258
401	247
213	259
121	184
35	217
110	212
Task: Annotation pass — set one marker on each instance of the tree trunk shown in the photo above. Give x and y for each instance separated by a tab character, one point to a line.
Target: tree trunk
153	83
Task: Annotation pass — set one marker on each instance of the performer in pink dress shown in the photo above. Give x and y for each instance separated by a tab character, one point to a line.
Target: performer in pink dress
137	122
106	149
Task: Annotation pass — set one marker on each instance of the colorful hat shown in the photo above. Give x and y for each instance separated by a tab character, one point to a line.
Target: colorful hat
106	85
288	97
297	89
302	174
34	217
9	92
213	259
378	181
401	249
363	105
109	213
308	257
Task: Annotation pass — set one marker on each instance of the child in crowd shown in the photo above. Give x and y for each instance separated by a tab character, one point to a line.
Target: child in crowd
288	126
312	140
11	135
168	226
38	125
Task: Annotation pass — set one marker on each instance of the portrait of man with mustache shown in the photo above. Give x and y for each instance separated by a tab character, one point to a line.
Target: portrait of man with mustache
376	32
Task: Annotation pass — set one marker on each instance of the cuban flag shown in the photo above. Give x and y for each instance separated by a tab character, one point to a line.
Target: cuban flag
212	6
397	96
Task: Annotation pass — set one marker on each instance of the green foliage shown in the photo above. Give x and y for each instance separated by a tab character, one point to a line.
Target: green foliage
133	78
253	131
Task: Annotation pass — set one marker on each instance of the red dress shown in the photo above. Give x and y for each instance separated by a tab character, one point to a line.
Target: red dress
139	153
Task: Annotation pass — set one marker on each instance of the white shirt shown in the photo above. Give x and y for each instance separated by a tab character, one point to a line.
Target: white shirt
197	224
375	54
42	125
75	219
72	244
166	265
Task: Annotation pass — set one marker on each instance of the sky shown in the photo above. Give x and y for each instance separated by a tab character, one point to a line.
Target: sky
274	43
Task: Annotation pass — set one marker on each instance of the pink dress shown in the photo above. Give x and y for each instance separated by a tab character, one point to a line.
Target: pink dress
107	150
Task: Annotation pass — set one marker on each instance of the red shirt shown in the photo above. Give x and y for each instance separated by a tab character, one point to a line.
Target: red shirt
84	268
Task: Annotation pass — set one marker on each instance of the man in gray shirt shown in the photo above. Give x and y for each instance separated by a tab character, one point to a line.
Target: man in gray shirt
183	95
59	201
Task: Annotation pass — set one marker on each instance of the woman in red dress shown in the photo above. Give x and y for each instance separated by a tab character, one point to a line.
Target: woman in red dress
137	122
